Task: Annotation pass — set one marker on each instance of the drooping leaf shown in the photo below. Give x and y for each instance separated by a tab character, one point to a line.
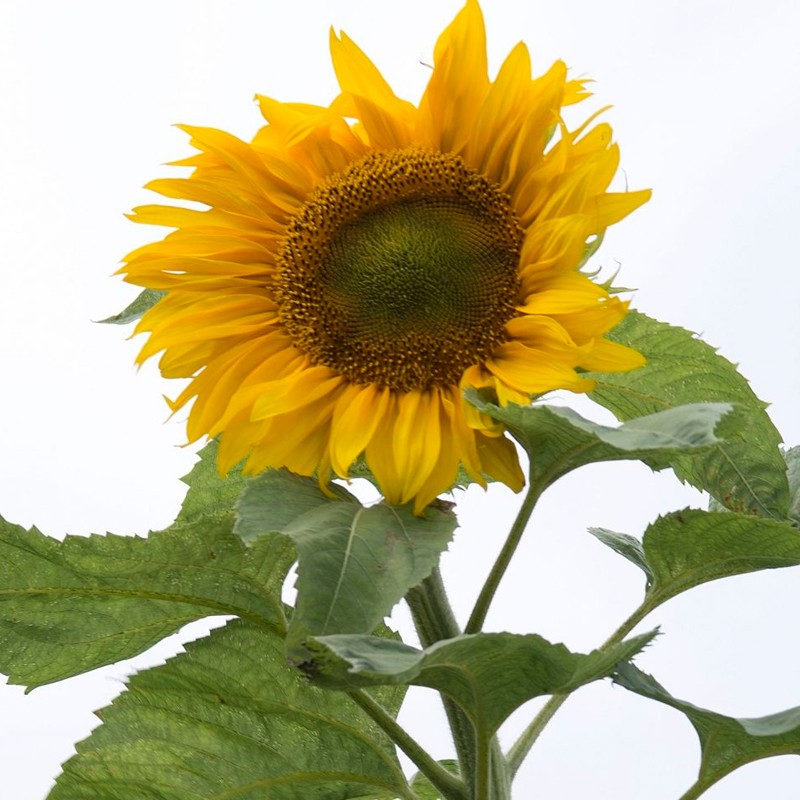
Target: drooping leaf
144	301
745	470
487	674
726	742
275	498
229	719
691	547
355	563
558	440
70	606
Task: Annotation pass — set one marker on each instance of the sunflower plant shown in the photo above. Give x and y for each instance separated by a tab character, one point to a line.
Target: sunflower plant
386	291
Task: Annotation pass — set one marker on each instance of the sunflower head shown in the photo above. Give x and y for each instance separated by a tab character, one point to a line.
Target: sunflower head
357	266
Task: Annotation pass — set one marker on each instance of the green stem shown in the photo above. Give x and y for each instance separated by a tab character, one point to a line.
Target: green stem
486	596
694	791
520	749
434	620
500	773
451	787
431	610
482	769
630	623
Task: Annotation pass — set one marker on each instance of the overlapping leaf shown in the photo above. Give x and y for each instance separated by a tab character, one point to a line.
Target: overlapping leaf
229	719
558	440
726	742
354	562
272	500
745	470
487	674
691	547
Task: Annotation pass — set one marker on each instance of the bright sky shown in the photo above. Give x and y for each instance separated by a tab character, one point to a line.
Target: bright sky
707	113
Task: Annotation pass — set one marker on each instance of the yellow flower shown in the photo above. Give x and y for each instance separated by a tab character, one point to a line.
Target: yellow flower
359	265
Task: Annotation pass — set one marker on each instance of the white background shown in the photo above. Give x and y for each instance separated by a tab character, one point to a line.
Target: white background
707	112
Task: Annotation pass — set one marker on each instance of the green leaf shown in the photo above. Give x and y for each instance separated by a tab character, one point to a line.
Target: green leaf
424	789
745	470
792	456
275	498
627	546
144	301
229	719
70	606
691	547
487	674
356	563
210	494
558	440
726	742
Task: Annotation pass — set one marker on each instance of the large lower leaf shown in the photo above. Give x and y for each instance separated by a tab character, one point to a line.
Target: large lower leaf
726	742
687	548
745	470
229	719
69	606
487	674
558	440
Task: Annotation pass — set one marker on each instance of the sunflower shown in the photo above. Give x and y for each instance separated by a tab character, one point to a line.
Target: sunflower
357	266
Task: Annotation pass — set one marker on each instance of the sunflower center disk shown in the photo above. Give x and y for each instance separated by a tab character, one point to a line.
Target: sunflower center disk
401	270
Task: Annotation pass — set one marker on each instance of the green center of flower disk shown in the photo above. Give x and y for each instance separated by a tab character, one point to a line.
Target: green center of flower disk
401	270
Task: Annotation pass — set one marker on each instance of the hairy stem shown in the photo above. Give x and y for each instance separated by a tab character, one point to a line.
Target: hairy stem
521	748
451	787
500	566
434	620
482	770
482	762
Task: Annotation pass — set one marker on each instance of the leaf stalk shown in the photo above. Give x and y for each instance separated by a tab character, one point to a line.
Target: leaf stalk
451	787
478	616
520	749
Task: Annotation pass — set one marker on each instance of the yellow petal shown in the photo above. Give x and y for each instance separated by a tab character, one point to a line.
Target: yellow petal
534	371
458	83
499	458
379	453
386	118
295	391
564	294
605	356
614	206
356	417
589	323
